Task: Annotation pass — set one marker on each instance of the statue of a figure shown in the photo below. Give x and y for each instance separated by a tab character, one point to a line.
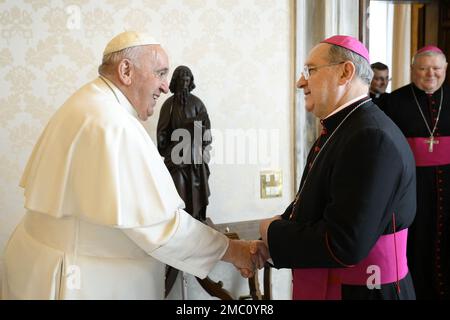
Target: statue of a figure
184	140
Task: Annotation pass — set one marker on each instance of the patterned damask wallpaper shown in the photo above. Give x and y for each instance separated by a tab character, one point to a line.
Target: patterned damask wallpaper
238	50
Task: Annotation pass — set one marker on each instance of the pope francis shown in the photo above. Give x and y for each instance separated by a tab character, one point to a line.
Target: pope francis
103	216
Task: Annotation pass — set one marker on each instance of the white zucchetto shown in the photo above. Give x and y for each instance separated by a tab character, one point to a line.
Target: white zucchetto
128	39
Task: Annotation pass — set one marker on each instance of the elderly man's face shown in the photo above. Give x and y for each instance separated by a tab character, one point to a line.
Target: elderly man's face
428	72
380	81
150	81
321	88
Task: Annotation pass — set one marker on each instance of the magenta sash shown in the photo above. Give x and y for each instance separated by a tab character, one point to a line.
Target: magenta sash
389	254
439	157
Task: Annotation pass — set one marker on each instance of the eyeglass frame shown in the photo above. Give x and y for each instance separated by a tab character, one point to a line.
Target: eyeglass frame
306	73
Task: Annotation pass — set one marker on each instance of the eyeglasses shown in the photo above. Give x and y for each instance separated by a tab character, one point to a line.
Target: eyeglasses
307	69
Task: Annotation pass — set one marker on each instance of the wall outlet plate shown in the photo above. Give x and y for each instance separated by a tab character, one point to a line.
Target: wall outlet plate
271	182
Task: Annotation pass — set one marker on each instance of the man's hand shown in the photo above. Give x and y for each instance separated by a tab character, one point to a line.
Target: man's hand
246	256
260	253
264	226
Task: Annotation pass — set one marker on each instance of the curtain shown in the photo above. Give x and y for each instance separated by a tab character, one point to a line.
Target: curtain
401	46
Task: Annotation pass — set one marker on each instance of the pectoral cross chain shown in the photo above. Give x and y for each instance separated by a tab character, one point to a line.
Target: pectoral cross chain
430	142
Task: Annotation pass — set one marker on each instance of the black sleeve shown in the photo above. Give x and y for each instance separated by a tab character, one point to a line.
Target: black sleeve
389	107
362	184
382	101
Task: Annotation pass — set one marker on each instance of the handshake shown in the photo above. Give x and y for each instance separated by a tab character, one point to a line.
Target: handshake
247	256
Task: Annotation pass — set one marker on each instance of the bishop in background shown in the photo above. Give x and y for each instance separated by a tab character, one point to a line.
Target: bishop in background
421	110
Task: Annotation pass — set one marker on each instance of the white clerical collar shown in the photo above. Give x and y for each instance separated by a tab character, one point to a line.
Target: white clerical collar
121	99
375	94
346	105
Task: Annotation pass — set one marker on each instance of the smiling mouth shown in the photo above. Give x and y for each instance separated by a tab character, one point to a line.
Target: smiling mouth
155	97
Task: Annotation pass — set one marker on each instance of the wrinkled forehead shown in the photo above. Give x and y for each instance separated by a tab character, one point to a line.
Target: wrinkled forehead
430	60
319	54
156	56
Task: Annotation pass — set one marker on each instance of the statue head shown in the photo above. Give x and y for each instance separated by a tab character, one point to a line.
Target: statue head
182	80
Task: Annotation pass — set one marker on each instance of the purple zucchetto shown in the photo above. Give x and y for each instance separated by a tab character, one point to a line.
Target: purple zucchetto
349	43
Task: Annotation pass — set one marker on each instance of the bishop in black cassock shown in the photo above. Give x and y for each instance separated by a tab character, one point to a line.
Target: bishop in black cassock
344	236
422	111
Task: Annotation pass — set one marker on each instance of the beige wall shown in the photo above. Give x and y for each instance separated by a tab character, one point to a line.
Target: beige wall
239	51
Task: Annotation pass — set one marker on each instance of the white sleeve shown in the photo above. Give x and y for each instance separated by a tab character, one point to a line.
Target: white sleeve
182	242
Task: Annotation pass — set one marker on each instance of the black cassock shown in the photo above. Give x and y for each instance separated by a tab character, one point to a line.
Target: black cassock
190	176
362	175
429	237
380	99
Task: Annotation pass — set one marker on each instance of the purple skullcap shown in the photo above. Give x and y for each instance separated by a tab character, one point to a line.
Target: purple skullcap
349	43
428	49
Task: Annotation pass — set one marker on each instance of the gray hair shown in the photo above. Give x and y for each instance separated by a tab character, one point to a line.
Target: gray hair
427	53
363	70
112	59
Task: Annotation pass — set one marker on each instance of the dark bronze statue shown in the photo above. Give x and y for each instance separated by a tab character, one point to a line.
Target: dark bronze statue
184	140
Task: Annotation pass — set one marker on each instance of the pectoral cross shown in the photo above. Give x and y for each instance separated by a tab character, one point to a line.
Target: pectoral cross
430	142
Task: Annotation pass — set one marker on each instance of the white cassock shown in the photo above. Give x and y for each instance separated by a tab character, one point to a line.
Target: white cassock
103	215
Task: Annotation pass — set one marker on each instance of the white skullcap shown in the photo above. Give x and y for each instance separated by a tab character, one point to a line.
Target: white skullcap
128	39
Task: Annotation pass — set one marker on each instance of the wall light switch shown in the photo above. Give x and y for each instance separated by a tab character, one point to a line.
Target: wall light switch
271	184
